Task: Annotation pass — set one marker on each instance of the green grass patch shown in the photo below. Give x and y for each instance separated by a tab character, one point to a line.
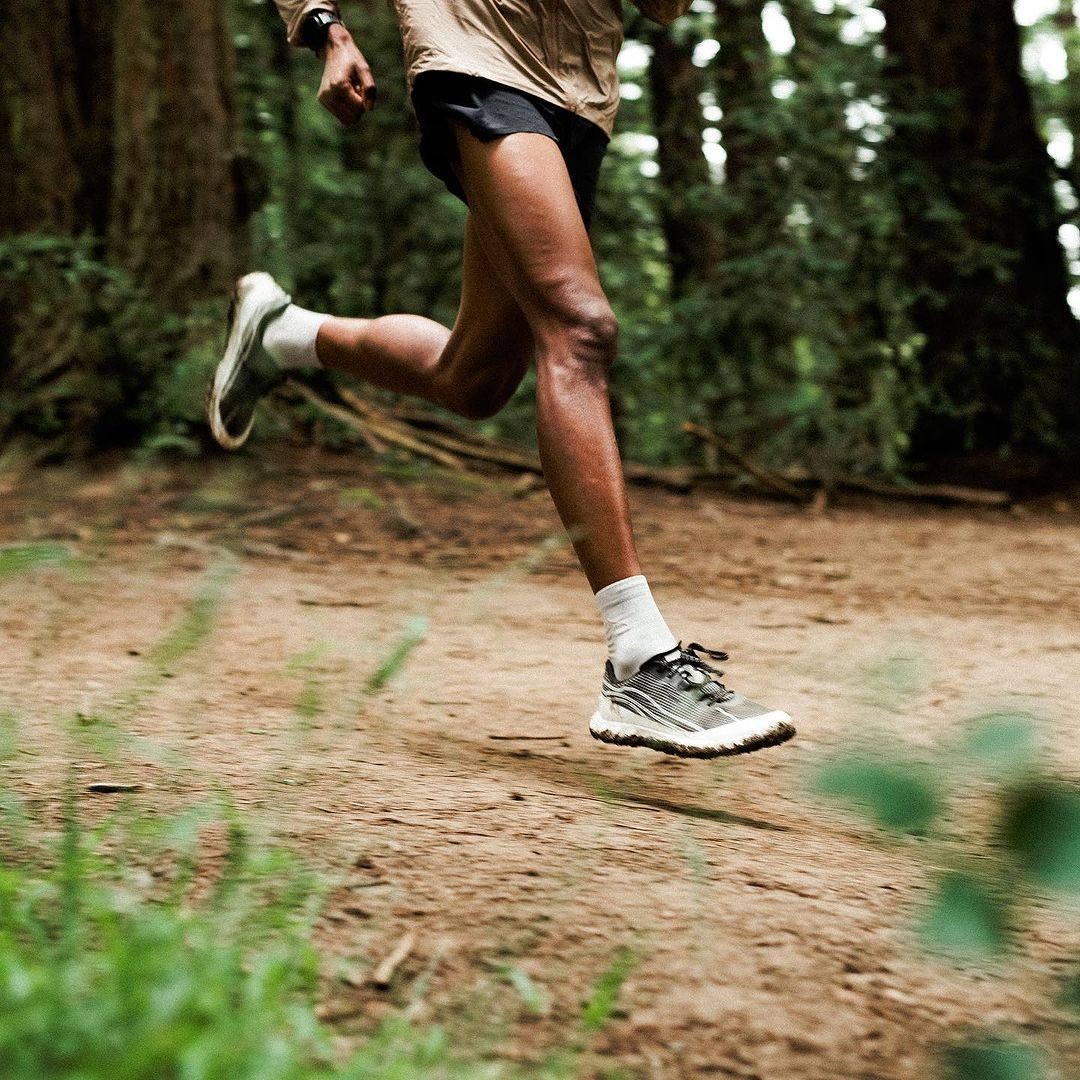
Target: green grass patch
415	632
110	973
601	1003
19	558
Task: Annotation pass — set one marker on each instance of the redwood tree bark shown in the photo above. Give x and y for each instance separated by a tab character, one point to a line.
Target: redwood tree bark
174	217
975	182
38	63
119	124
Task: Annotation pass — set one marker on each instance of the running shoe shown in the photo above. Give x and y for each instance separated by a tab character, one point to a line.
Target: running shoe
676	703
245	374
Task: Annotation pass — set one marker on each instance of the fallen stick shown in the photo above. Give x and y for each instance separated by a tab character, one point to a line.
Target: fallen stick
764	477
792	484
383	975
368	428
944	493
470	444
678	480
480	452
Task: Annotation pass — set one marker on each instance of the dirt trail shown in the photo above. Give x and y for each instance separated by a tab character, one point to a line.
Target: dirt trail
468	803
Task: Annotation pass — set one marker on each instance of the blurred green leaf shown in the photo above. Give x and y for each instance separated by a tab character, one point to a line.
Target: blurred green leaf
1001	743
534	996
362	497
1040	824
18	558
966	918
993	1059
600	1006
897	795
413	636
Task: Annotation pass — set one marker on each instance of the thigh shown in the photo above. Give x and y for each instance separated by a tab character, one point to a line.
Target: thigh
491	336
527	219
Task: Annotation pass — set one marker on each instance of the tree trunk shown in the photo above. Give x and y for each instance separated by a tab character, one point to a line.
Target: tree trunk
120	125
686	214
175	212
41	102
742	72
975	182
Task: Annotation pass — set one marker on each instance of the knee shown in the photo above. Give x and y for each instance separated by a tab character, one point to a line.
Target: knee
583	336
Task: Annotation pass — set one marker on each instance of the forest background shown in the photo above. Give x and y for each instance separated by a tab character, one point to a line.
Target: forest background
845	235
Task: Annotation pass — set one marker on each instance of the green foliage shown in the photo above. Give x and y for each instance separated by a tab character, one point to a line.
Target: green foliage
106	974
898	795
414	635
601	1003
1000	744
98	981
965	918
533	996
1040	825
91	359
19	558
979	898
804	340
993	1059
196	622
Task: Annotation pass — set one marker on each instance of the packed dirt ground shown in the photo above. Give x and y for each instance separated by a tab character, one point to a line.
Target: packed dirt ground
767	932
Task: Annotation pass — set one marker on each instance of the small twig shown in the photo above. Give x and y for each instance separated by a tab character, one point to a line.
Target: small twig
338	413
677	480
383	975
763	476
380	430
944	493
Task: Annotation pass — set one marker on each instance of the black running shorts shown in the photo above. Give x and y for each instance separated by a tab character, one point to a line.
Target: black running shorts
491	110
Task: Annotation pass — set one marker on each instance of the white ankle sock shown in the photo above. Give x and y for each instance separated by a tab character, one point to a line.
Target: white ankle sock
290	338
635	629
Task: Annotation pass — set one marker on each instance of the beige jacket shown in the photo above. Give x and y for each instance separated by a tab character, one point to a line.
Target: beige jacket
563	51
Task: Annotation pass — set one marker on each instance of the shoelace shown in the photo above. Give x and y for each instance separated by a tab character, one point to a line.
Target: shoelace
693	668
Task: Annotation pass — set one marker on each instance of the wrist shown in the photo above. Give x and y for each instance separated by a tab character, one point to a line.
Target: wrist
316	27
336	35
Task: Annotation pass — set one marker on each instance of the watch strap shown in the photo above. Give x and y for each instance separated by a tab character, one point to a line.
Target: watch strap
316	28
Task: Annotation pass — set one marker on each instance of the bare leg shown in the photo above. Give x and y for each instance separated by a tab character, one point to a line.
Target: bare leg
523	204
473	369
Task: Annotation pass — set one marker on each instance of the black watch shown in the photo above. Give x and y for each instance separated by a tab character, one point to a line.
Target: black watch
316	29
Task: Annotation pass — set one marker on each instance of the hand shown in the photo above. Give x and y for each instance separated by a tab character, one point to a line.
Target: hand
348	88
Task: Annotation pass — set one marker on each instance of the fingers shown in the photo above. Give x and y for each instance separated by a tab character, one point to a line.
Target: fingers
349	92
368	90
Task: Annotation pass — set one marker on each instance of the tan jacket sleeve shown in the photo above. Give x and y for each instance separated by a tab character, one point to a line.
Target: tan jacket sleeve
664	12
295	11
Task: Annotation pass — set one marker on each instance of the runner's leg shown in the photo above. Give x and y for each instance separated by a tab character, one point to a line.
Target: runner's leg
523	204
473	369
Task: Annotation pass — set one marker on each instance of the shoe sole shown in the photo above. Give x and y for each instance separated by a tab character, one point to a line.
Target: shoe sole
223	374
623	734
